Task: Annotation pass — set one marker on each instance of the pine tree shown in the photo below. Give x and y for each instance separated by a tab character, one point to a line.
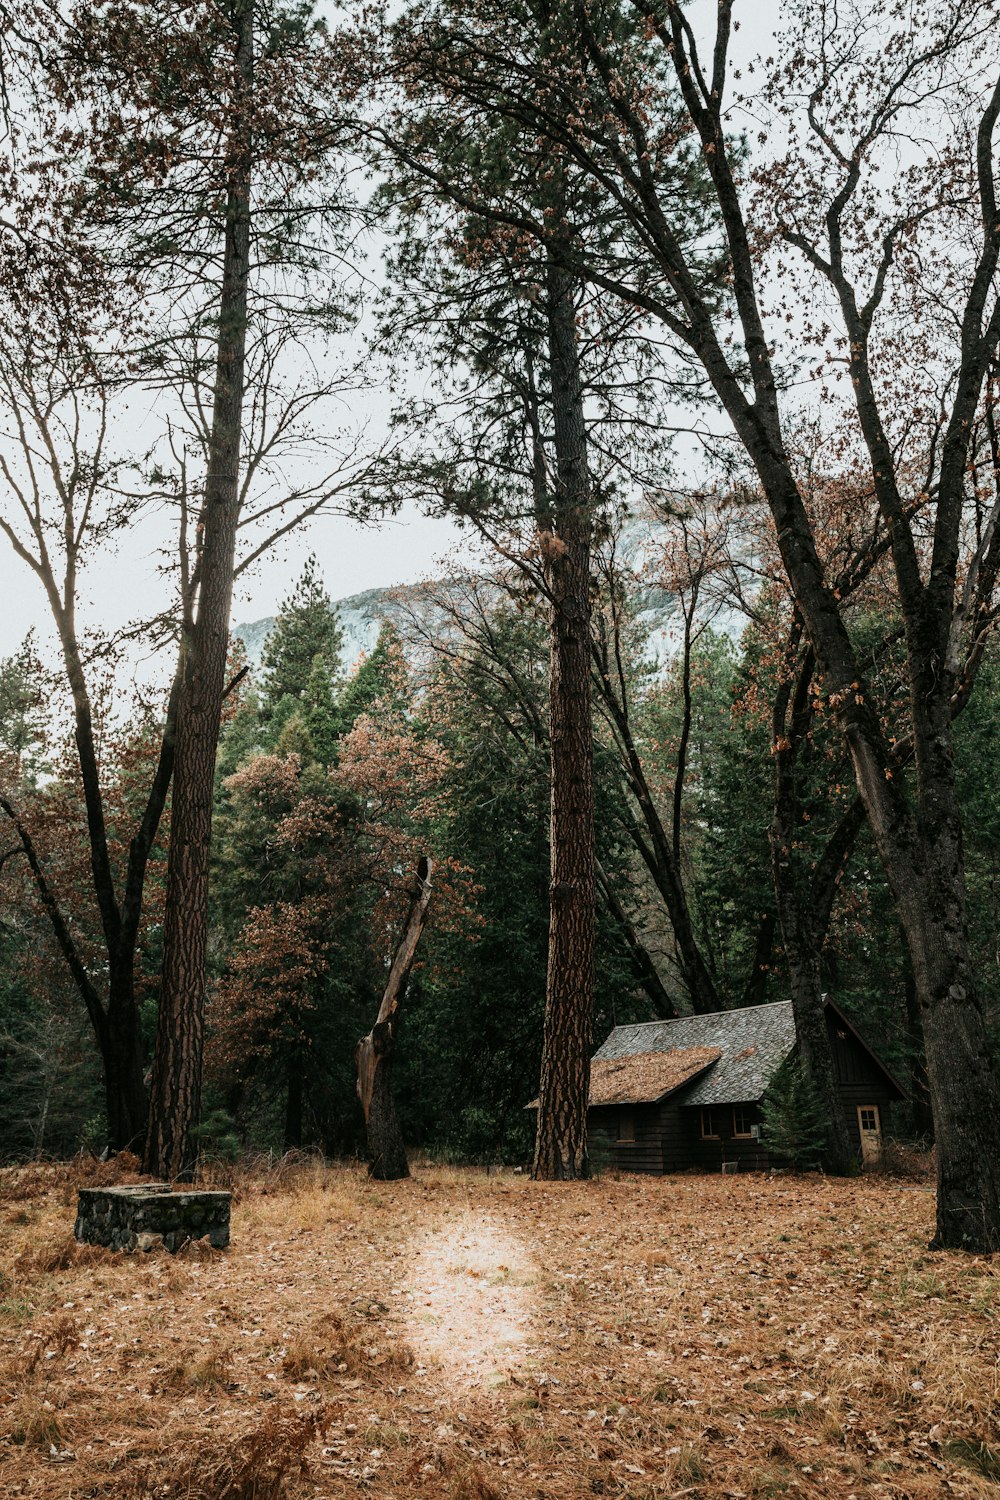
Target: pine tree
307	628
319	712
377	678
795	1127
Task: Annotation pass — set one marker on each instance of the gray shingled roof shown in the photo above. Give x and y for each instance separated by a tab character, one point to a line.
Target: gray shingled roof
754	1042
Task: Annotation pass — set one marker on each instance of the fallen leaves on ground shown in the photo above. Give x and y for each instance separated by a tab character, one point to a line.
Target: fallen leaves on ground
482	1337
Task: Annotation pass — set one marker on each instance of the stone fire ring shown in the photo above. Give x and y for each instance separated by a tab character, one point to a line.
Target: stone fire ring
151	1214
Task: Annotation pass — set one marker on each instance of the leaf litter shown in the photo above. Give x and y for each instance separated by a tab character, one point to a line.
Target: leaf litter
481	1337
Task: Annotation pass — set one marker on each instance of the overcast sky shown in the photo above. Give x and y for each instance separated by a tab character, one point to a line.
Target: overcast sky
352	558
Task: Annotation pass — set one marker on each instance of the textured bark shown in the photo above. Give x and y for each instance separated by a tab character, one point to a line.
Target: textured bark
373	1054
561	1140
386	1147
175	1096
805	903
920	1099
963	1085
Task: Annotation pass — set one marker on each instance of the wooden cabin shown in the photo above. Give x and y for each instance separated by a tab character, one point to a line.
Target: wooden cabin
671	1095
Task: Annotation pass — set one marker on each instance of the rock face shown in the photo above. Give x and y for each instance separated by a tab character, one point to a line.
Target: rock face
151	1214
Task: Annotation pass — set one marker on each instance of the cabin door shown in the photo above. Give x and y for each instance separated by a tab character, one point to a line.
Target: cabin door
870	1126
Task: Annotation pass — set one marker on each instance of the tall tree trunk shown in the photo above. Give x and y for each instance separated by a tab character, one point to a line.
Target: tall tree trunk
920	1099
920	849
921	852
124	1084
805	902
373	1054
930	897
175	1098
561	1141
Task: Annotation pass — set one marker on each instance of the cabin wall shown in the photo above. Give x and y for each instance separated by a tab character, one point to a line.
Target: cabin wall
607	1147
736	1152
668	1139
859	1081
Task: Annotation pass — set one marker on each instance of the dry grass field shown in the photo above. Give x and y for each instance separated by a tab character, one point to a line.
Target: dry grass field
472	1337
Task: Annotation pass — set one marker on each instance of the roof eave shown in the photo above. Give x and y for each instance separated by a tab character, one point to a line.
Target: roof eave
657	1098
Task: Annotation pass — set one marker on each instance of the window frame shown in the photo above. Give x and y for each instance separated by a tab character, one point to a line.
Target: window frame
629	1116
742	1135
709	1135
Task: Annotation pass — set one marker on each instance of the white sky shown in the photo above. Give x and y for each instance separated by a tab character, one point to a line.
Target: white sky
352	558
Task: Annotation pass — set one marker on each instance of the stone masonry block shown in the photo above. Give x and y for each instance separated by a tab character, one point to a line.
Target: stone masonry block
151	1213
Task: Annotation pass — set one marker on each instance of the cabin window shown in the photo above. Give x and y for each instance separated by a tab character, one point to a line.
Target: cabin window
868	1117
626	1125
710	1120
742	1126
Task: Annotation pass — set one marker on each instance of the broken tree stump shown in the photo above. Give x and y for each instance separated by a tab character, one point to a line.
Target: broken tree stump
148	1214
373	1054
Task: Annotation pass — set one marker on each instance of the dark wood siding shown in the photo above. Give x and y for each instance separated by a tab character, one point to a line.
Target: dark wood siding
607	1148
736	1152
854	1095
675	1152
859	1081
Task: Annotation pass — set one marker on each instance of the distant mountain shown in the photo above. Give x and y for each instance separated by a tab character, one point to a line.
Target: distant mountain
362	615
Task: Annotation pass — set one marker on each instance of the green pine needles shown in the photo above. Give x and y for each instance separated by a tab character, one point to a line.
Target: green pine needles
794	1119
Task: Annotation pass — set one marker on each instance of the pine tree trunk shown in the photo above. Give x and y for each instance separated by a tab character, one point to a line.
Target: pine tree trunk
175	1100
561	1141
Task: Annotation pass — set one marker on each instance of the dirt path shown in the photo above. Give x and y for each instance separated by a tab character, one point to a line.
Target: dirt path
471	1302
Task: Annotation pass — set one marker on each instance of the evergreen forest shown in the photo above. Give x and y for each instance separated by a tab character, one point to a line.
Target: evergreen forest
692	342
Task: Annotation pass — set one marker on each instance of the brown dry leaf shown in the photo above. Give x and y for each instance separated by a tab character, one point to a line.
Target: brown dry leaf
471	1337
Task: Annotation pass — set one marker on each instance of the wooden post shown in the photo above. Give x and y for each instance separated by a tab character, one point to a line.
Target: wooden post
373	1054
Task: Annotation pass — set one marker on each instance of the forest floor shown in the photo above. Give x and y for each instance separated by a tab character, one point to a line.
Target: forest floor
472	1337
